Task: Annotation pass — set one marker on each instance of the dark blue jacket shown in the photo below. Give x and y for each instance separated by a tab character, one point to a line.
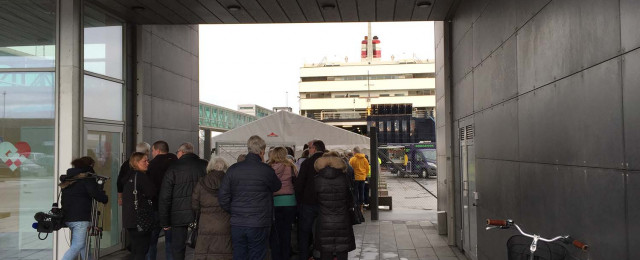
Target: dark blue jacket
247	192
78	196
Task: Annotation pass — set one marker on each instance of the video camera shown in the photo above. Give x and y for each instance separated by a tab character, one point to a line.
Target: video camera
99	178
49	222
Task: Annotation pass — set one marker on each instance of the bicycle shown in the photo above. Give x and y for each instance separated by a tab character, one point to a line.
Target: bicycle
539	248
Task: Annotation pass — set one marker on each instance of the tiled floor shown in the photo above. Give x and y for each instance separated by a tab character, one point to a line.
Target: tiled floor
397	239
378	240
408	232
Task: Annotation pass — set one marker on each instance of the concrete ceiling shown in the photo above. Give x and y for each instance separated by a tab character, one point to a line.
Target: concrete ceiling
275	11
32	22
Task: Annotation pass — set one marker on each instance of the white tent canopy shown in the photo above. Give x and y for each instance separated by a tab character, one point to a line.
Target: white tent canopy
285	128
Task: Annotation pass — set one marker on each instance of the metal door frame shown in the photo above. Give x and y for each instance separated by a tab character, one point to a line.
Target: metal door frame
469	232
110	128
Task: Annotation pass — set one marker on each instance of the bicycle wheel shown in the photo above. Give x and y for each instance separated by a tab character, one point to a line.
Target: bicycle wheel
518	249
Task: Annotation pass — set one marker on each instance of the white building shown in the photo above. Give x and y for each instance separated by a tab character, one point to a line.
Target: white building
340	93
254	110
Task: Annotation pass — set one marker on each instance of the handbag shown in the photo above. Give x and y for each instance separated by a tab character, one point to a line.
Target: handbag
354	210
143	209
192	233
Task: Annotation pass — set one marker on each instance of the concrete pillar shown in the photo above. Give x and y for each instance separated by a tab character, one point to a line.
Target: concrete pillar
444	128
69	97
207	144
139	87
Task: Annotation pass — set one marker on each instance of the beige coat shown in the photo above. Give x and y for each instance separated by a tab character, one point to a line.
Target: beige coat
214	231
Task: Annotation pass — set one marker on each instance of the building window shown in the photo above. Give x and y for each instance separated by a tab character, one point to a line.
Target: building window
103	85
319	95
399	95
102	44
424	75
384	95
102	99
28	40
27	114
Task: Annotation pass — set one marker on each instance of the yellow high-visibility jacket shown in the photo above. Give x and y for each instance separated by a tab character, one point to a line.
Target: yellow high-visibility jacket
360	166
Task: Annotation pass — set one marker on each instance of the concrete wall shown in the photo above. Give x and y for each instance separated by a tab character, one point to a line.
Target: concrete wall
443	126
167	69
553	90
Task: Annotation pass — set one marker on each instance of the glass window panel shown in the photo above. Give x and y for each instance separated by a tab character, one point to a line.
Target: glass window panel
26	161
102	99
104	148
27	34
102	43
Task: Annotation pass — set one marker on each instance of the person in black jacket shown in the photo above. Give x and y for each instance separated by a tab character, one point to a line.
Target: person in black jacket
158	166
139	181
126	170
307	199
334	233
79	189
246	193
175	196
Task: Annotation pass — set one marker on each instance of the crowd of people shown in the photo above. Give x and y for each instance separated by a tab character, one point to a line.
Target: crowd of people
277	207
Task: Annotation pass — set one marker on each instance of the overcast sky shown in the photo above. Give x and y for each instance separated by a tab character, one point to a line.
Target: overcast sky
258	64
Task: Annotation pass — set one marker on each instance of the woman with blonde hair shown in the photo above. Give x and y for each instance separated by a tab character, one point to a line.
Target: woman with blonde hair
137	194
284	202
214	229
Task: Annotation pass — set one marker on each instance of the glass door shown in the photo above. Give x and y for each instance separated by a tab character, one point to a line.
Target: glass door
104	144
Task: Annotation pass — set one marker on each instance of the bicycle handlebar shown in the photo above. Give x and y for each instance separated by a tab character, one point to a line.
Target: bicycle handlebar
580	245
497	222
504	224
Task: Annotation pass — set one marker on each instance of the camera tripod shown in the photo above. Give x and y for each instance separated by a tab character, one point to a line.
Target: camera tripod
94	232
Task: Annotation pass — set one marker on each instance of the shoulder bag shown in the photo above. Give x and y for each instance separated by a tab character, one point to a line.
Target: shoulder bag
192	234
143	209
354	210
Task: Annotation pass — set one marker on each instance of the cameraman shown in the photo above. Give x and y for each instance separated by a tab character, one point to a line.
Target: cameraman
79	189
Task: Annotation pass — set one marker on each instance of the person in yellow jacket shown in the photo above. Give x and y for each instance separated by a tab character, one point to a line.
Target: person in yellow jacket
361	168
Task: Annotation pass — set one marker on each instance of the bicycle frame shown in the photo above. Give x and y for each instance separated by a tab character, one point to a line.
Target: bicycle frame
505	224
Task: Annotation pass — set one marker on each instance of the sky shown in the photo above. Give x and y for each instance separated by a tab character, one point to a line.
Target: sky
260	64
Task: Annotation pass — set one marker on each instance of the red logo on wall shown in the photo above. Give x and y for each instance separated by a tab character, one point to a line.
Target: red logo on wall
272	134
14	155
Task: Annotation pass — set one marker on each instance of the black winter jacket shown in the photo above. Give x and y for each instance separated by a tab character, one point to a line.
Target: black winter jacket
305	181
334	231
146	190
247	192
123	175
177	186
78	196
157	168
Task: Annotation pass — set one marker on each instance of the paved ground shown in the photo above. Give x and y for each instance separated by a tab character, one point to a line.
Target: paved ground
408	232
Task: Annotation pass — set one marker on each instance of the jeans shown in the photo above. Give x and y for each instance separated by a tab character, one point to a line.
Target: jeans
153	244
306	216
366	192
280	239
178	242
360	191
78	236
249	243
139	243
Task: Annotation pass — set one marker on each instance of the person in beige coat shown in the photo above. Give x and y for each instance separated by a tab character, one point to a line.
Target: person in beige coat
214	230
